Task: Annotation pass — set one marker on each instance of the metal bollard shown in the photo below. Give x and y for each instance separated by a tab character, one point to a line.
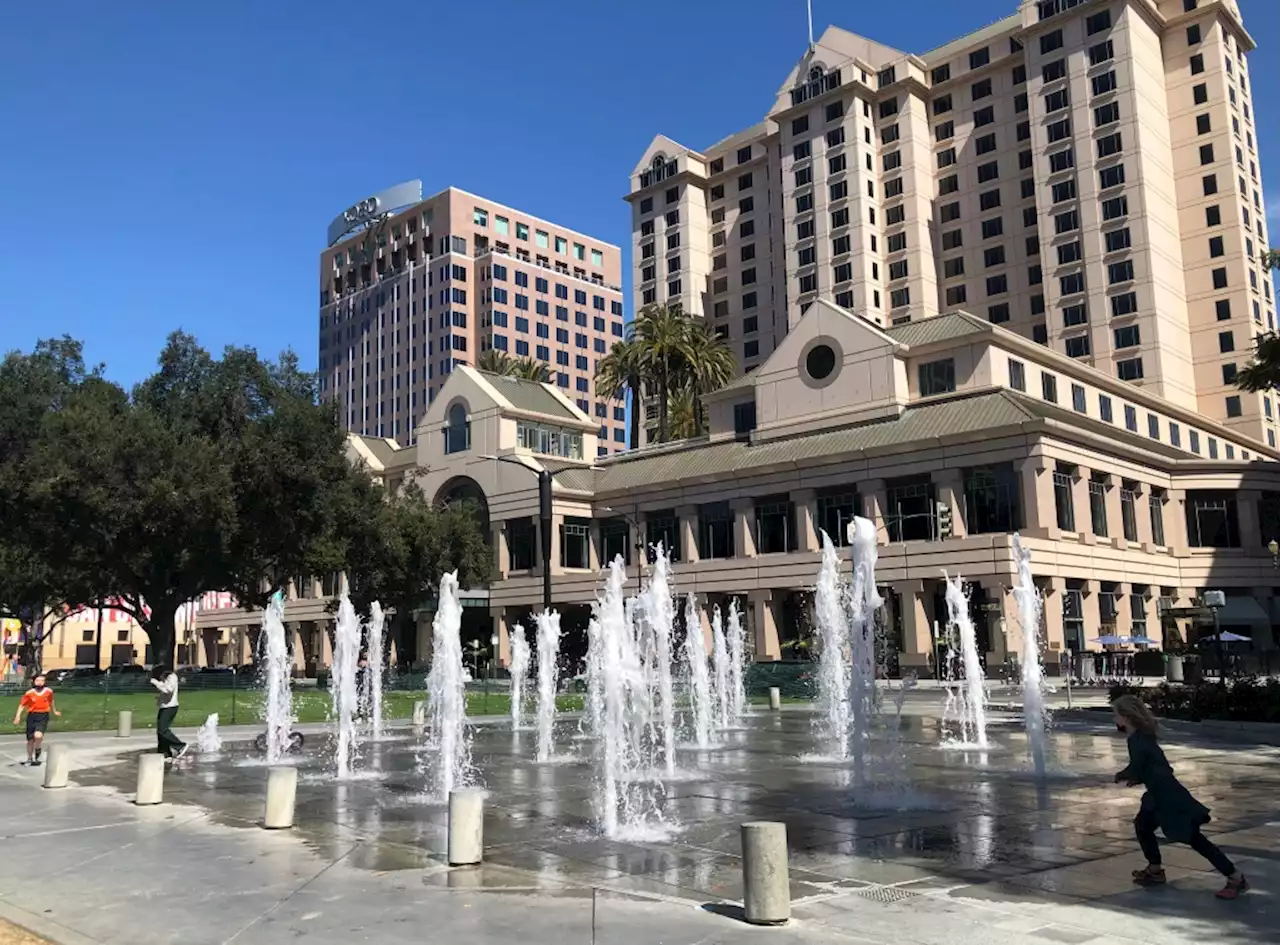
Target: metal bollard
419	714
766	886
466	827
282	794
775	698
124	724
58	766
150	789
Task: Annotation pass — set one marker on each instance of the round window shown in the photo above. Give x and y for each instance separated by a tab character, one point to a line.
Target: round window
820	362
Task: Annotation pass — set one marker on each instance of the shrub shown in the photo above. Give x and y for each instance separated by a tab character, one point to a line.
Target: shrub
1246	699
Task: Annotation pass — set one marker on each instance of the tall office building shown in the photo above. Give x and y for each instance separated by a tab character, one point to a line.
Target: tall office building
411	287
1083	172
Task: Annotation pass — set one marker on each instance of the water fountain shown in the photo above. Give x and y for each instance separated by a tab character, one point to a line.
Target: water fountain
548	679
695	659
372	697
342	686
519	674
659	618
279	672
208	741
831	723
447	735
973	702
864	603
620	707
1030	611
720	662
737	634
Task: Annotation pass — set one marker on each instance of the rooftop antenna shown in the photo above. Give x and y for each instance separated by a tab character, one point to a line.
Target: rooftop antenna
809	8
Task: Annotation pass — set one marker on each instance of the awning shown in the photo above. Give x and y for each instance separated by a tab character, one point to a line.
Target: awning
1242	612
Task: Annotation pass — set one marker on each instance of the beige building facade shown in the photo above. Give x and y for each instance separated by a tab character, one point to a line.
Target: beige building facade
950	433
1085	174
419	290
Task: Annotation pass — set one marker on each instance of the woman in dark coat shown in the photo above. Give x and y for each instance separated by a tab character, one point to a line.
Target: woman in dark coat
1166	804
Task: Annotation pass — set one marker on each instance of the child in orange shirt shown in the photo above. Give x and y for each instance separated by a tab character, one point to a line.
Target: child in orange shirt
38	703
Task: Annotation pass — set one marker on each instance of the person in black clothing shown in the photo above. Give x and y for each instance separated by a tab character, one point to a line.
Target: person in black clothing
1167	804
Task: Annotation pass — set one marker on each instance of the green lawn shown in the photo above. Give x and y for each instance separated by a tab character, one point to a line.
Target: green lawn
92	712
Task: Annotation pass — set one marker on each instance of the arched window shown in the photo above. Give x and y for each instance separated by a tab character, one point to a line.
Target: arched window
457	431
658	162
815	73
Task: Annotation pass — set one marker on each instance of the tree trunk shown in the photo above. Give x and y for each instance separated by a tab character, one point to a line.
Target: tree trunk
405	627
637	408
159	629
664	395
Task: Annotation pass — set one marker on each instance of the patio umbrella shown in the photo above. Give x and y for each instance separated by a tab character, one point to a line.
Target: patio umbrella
1111	640
1228	637
1140	640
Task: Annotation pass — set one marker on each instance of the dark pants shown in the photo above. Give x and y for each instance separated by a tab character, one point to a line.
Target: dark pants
1144	826
169	743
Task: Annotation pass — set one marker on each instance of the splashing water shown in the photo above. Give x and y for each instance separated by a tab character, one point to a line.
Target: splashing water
620	707
695	659
279	702
864	603
737	634
372	697
659	613
833	719
720	661
446	695
974	702
1030	611
342	686
548	679
519	674
208	740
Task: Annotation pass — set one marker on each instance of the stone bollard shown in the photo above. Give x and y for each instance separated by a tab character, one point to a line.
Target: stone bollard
466	827
58	766
150	788
775	698
124	724
419	714
766	898
282	792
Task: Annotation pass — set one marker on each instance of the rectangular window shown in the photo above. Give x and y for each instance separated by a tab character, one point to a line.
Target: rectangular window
1056	101
1130	370
1064	190
1066	222
1109	145
1071	283
992	228
1107	114
1111	176
1117	240
1050	41
1128	336
1064	505
989	200
1115	207
1061	161
1100	53
980	90
1097	23
1077	314
1053	71
1098	504
1059	130
979	57
1104	408
1077	347
1104	83
1125	304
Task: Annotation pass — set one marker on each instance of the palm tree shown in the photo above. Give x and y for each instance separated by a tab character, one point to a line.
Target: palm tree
709	365
498	362
661	331
623	370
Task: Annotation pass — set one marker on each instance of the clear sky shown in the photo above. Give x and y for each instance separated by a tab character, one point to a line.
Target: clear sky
171	165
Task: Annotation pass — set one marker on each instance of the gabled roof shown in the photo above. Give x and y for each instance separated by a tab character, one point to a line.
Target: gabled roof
379	452
940	328
529	396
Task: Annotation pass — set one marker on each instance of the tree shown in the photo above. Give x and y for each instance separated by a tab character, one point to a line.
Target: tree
402	551
661	331
710	365
620	372
498	362
1264	372
213	475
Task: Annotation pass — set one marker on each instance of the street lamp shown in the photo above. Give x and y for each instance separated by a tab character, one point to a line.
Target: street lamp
1215	601
1273	546
639	545
544	517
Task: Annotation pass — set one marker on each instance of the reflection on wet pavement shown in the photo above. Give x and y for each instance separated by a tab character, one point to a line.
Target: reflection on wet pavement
957	818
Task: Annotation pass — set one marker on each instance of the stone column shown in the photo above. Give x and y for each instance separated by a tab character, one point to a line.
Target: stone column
502	627
1001	623
1092	613
595	548
806	503
1039	512
1052	590
688	524
744	528
1081	510
1142	513
949	487
764	625
501	551
425	638
1115	515
917	635
1175	521
557	522
875	502
1247	502
704	621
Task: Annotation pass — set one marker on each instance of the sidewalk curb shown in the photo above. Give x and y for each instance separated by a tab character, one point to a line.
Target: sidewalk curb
41	927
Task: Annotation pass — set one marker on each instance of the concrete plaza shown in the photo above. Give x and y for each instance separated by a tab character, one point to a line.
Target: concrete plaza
966	848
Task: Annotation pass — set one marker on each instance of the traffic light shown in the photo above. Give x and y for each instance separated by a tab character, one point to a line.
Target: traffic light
944	520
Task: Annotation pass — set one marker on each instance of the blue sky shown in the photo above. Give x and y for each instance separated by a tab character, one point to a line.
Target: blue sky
175	164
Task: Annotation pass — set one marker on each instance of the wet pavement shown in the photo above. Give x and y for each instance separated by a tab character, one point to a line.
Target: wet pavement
946	845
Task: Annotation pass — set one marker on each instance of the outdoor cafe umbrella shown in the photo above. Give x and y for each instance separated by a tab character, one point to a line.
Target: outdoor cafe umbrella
1112	640
1140	640
1227	637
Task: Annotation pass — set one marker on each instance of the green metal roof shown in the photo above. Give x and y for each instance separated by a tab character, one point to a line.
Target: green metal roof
939	328
530	396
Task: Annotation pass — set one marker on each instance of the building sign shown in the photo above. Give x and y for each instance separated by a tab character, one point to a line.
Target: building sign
371	208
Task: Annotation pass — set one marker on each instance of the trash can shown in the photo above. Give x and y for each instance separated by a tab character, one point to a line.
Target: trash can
1173	668
1192	671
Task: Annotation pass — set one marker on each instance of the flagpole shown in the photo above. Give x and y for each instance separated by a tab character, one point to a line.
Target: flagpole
809	9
